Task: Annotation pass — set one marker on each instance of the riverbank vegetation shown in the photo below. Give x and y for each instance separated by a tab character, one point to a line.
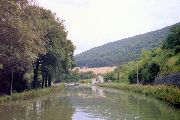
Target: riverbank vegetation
34	49
75	76
31	94
151	63
170	94
85	81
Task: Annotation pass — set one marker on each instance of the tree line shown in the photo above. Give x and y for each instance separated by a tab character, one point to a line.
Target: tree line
152	63
34	49
76	76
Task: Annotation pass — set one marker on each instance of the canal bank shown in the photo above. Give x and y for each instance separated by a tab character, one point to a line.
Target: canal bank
170	94
31	94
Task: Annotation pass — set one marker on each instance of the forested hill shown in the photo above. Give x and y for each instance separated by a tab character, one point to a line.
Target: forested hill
121	51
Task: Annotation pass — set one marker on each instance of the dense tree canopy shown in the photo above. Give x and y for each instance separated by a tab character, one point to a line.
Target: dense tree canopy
173	40
32	41
20	44
75	76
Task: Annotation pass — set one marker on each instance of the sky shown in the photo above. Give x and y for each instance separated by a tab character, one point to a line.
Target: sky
91	23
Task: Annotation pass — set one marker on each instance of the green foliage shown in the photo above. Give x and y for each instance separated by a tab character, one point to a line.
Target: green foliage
146	74
109	76
20	41
32	39
31	94
173	40
132	77
75	76
169	94
153	70
178	61
82	81
72	76
121	51
87	75
85	81
151	63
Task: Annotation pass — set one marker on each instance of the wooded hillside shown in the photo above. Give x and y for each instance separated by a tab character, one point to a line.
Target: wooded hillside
121	51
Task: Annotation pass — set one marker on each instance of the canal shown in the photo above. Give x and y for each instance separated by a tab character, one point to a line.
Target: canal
89	103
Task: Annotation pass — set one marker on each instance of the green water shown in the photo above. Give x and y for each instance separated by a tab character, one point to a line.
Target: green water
90	103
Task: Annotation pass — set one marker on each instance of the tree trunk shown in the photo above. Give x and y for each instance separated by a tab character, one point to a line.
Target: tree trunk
46	79
11	83
137	74
36	73
49	81
43	76
161	71
118	76
42	80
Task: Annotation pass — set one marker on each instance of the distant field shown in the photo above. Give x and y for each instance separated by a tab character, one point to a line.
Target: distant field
98	70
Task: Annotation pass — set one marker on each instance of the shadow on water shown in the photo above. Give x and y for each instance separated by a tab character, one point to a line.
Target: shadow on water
90	103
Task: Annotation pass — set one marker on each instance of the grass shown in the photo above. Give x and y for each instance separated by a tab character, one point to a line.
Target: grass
170	94
172	63
30	94
85	81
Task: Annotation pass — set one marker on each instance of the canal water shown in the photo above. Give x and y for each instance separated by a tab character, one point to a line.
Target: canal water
89	103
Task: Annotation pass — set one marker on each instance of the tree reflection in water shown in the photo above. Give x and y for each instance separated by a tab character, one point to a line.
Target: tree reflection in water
50	108
90	103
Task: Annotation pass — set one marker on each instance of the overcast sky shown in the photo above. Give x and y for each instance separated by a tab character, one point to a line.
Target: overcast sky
91	23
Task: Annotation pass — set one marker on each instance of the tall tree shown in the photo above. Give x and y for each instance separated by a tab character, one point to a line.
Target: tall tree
19	43
173	40
31	38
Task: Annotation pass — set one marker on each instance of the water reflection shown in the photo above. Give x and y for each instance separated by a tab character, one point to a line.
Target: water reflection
113	104
48	108
90	103
97	91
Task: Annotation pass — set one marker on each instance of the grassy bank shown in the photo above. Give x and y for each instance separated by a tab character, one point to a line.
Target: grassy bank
31	94
169	94
85	81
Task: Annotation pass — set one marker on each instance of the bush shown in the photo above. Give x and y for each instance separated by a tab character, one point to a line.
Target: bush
177	49
153	70
169	94
109	76
132	77
82	81
178	61
85	81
